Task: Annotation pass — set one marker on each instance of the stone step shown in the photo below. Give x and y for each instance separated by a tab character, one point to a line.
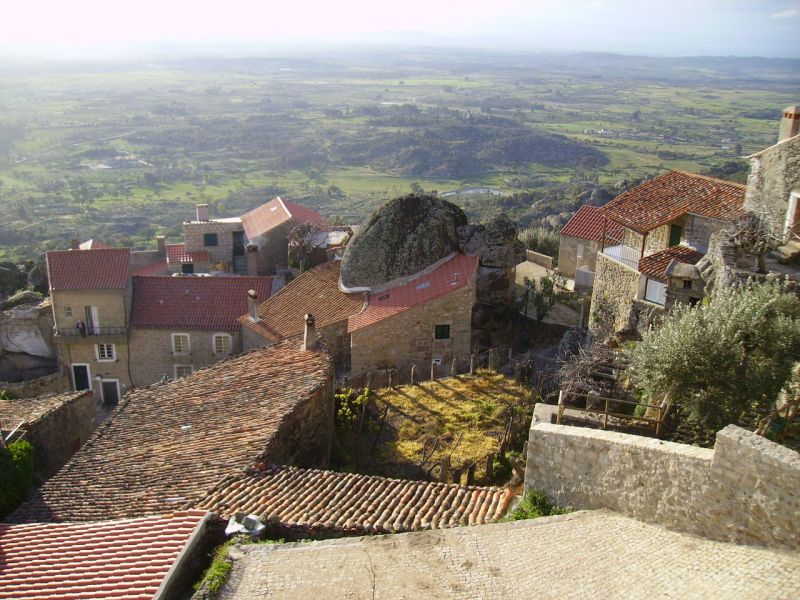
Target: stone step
789	253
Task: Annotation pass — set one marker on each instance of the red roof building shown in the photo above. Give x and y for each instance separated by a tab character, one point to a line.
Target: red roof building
655	265
193	303
276	212
589	223
177	254
453	274
134	559
103	269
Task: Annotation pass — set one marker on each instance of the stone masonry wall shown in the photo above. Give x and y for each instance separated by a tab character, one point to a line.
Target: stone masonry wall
223	252
616	286
335	337
59	434
84	351
745	490
152	356
408	337
774	174
568	255
699	231
273	248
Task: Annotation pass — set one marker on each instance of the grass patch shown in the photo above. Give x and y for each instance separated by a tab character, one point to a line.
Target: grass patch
218	571
536	504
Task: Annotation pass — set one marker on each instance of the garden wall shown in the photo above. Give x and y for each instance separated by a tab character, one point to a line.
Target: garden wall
745	490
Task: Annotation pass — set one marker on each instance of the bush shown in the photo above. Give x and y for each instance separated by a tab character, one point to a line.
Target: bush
349	405
725	358
541	240
536	504
16	475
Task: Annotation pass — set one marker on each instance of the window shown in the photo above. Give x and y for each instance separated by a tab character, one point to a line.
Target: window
209	239
187	268
675	235
656	292
67	311
687	284
183	370
180	343
222	343
441	332
105	352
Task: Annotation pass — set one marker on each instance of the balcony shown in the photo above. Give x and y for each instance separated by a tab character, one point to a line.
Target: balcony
96	334
625	254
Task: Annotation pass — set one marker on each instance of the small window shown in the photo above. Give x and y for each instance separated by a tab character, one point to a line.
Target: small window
209	239
67	311
222	343
106	352
183	370
180	343
442	332
187	268
687	284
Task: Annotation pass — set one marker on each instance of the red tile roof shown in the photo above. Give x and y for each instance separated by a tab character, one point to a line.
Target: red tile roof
277	212
193	303
313	502
452	275
88	269
30	410
317	292
157	268
176	253
665	198
589	222
128	559
655	265
167	445
94	244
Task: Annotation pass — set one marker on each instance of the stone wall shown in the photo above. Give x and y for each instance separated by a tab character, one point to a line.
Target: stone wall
408	337
193	232
305	435
61	432
56	383
616	286
699	230
538	258
745	490
334	336
273	248
111	307
568	261
152	356
83	351
774	174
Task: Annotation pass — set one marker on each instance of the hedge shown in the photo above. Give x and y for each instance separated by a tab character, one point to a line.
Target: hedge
16	475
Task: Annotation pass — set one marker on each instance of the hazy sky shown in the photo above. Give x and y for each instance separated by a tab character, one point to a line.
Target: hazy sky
662	27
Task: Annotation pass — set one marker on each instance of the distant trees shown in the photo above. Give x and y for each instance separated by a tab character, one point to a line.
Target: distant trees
725	358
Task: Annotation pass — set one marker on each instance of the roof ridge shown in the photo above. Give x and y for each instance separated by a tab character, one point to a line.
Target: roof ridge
709	178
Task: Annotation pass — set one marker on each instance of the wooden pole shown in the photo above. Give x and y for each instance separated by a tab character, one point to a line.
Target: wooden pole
444	469
471	474
454	367
369	380
489	467
413	374
433	371
472	364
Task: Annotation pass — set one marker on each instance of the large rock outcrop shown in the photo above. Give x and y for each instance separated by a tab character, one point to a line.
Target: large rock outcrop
403	237
26	342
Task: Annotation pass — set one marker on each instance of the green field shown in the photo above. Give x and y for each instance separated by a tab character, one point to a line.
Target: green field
123	151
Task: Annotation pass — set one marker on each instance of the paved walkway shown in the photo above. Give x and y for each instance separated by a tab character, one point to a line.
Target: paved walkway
589	554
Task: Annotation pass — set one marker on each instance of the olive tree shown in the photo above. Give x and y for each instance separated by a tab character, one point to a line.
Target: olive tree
724	357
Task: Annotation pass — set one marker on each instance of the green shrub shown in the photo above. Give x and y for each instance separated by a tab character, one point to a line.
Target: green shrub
539	239
349	405
16	475
536	504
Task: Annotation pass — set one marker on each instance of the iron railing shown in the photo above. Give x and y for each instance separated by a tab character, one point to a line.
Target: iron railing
89	331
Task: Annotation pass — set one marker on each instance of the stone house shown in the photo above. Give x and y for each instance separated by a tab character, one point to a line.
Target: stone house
773	185
254	244
668	219
168	445
315	292
56	425
181	324
91	299
422	319
581	238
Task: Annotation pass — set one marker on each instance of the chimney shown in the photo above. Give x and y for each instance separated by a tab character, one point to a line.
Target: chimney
161	244
310	335
75	244
252	259
202	212
252	305
790	123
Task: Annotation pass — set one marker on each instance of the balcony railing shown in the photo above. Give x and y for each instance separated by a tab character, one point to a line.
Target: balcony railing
89	331
624	254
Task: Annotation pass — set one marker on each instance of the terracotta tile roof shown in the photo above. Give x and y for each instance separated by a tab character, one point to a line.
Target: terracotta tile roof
655	265
193	303
665	198
88	269
157	268
128	559
313	501
448	277
30	410
277	212
176	253
167	445
94	244
317	292
588	224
